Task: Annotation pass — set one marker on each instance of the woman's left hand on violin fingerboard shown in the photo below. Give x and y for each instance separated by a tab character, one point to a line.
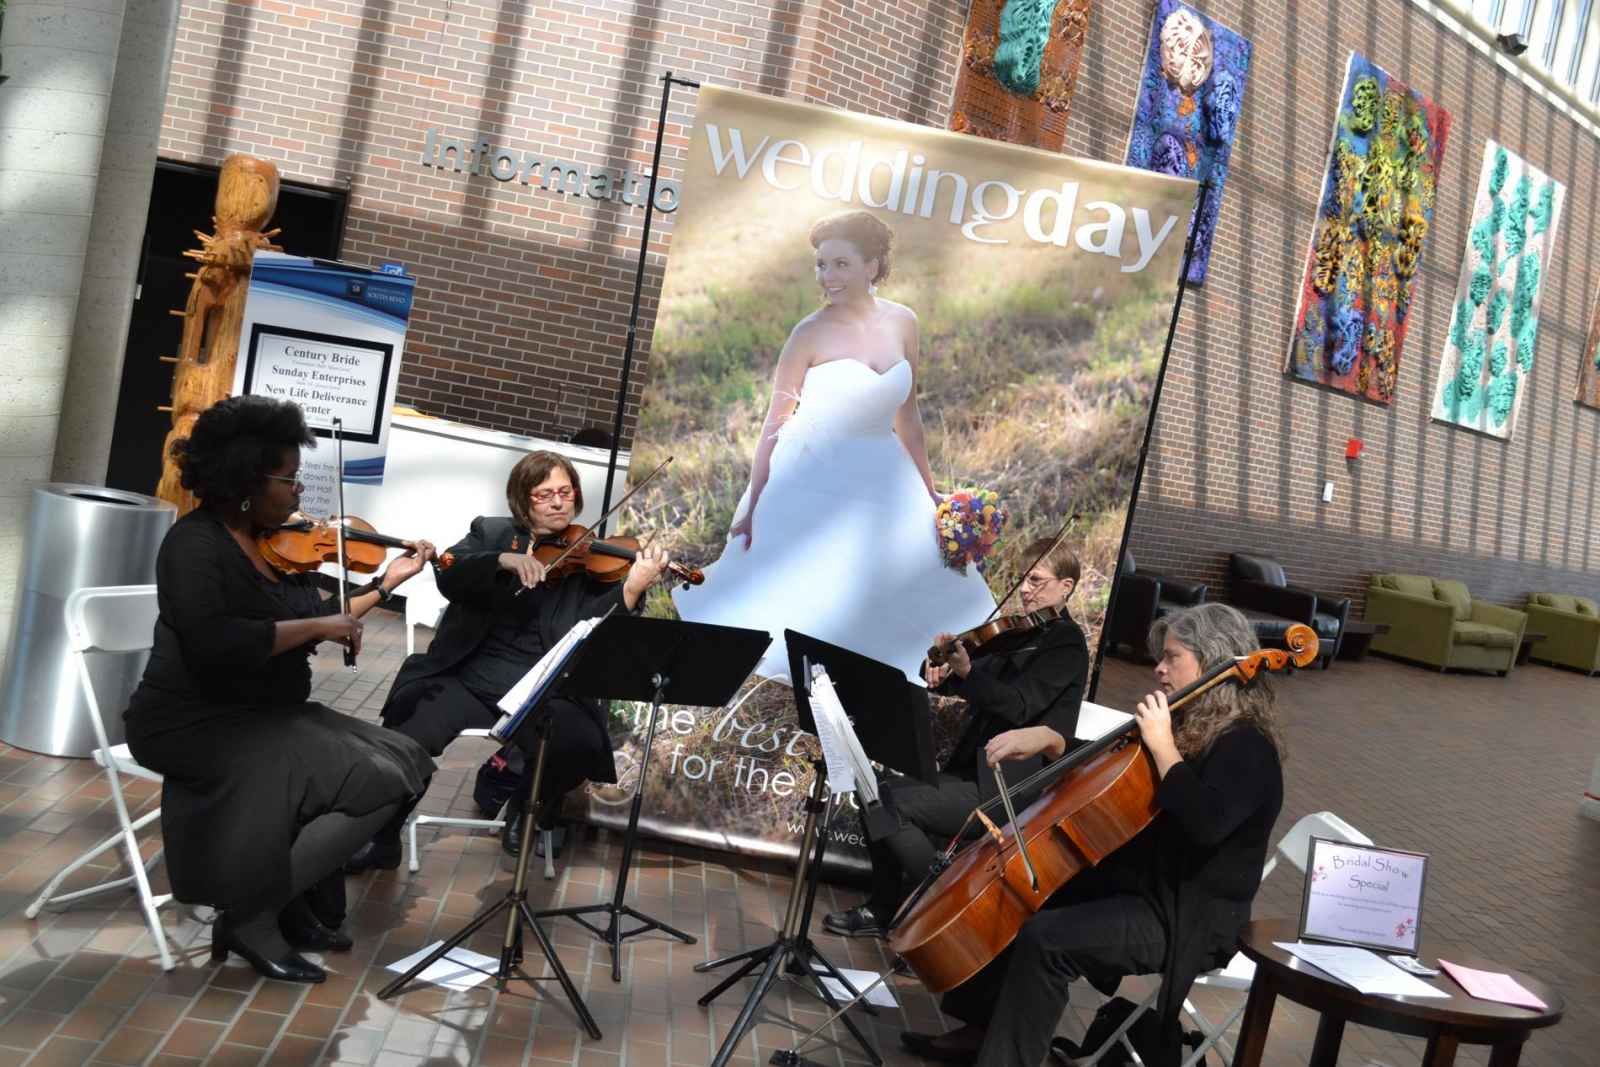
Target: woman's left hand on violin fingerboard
403	567
646	570
957	658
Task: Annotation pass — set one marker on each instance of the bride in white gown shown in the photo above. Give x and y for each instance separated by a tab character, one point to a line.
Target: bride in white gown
835	535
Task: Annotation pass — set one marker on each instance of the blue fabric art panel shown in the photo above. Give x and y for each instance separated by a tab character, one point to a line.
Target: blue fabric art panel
1188	109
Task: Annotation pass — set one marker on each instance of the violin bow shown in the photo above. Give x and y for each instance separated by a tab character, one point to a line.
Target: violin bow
590	536
344	562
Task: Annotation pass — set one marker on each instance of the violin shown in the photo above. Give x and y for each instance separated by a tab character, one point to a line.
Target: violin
1094	801
305	544
605	559
997	636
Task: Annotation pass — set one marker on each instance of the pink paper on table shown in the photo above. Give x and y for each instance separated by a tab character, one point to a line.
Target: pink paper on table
1492	985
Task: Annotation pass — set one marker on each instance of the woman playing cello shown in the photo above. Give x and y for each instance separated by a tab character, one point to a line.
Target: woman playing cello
1169	902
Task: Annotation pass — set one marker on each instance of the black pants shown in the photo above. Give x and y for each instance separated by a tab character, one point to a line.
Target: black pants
434	711
926	814
1020	996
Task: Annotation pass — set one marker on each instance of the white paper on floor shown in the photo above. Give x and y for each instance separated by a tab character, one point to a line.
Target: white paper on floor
461	968
882	996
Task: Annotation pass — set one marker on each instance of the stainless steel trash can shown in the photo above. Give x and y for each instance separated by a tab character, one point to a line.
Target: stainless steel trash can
77	536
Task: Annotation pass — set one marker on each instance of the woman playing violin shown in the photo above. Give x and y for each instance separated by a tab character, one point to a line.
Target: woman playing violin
265	793
1169	902
503	616
1013	701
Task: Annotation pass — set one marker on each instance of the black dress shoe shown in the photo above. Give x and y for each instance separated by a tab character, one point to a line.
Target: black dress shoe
291	967
511	834
957	1046
374	856
304	932
859	921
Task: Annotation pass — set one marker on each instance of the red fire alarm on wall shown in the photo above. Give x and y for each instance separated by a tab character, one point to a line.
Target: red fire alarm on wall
1352	448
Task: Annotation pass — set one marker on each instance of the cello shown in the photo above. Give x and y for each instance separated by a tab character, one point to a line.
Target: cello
1094	800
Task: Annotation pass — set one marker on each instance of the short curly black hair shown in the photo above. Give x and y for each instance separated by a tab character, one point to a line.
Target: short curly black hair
235	444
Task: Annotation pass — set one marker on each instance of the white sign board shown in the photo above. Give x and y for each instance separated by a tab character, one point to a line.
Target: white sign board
1363	895
330	337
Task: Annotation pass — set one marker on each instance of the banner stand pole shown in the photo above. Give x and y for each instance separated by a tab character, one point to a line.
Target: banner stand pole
1149	430
667	82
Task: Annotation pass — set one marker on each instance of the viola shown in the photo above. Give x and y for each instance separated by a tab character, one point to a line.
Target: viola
1094	801
305	544
997	636
605	559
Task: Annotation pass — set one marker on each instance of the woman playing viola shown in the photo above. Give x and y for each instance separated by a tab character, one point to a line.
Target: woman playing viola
265	792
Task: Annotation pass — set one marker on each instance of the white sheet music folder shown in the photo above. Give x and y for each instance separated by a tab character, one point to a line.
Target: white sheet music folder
849	770
527	693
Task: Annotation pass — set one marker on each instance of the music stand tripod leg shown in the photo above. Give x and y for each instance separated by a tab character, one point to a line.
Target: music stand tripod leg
613	934
515	904
792	948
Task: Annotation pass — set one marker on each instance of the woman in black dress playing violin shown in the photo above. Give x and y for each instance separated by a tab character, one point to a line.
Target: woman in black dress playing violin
1013	701
265	792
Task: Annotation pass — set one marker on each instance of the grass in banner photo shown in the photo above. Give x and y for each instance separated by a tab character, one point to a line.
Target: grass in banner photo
859	319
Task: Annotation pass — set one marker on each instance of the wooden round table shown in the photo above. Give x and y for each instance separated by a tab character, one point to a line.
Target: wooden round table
1460	1020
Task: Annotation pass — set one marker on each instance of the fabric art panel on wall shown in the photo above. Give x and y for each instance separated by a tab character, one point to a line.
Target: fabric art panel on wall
1589	372
1019	66
1494	322
1188	109
1372	220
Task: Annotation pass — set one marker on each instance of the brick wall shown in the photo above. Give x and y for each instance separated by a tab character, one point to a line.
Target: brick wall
524	293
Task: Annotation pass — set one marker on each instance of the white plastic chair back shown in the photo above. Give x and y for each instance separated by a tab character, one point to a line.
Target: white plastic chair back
1295	845
112	618
424	607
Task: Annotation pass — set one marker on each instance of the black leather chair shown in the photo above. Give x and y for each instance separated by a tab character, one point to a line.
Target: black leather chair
1142	598
1260	589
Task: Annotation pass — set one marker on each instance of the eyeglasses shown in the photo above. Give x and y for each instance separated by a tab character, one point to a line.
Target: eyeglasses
1032	582
544	496
299	486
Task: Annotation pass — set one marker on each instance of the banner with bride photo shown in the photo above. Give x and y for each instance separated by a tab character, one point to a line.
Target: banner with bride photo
886	358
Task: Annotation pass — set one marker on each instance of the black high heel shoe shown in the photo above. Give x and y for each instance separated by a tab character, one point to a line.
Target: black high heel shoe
292	967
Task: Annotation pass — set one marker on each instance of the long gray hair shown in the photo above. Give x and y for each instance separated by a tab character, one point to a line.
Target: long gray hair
1216	633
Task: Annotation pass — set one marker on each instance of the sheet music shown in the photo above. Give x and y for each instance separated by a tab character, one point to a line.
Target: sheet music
541	674
848	767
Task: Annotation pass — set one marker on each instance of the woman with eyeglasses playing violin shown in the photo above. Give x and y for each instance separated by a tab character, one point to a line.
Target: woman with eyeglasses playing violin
266	792
503	617
1012	699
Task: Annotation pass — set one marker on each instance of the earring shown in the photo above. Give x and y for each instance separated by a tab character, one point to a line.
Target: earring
244	505
872	290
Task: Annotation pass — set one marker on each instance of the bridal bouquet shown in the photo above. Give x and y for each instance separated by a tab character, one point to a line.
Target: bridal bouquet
968	526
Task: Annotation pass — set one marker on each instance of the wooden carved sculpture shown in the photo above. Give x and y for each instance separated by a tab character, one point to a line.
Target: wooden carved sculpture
247	195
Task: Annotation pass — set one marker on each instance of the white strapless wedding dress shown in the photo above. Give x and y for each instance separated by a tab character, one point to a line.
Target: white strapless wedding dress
844	546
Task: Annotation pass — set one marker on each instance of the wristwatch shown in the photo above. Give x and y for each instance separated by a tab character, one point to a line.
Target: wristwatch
384	595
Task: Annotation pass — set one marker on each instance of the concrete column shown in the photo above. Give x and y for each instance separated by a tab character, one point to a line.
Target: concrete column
116	235
61	58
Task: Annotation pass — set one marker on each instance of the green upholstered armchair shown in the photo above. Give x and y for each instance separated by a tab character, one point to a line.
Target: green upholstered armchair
1436	621
1572	628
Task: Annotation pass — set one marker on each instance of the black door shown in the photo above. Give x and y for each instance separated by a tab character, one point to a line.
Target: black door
312	220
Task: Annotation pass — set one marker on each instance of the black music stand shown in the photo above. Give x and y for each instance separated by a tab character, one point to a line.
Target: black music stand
898	734
665	662
515	902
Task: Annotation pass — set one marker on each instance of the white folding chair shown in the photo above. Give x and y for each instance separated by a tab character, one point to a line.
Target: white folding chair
118	620
414	862
1294	846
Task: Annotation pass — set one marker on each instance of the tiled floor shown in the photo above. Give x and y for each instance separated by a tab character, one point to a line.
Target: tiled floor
1483	773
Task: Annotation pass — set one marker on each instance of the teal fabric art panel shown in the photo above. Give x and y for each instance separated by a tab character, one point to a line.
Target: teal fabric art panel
1494	320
